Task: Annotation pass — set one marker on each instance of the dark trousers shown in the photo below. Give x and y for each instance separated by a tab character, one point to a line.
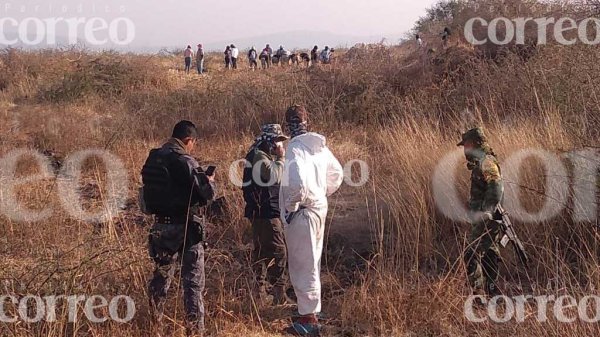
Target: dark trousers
265	61
168	250
482	256
270	254
188	64
234	62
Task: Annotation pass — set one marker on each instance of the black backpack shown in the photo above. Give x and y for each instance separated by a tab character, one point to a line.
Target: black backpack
158	189
250	190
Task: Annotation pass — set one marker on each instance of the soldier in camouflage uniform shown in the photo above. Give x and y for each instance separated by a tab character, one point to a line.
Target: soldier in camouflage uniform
482	254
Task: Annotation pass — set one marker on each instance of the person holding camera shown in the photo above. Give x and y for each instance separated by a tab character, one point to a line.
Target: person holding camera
262	178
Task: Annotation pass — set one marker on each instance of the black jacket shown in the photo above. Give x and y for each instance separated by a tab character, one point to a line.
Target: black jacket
261	192
189	188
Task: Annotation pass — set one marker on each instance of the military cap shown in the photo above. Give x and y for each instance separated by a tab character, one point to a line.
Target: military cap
273	131
476	134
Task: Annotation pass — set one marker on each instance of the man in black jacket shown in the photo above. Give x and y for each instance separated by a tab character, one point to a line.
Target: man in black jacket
262	178
175	190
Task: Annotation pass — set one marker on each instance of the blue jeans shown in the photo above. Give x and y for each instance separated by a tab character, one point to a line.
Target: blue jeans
188	64
200	66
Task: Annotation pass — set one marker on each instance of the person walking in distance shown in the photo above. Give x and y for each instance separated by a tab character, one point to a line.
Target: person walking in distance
326	55
200	59
269	53
314	55
264	59
446	37
252	57
228	56
235	53
419	41
188	54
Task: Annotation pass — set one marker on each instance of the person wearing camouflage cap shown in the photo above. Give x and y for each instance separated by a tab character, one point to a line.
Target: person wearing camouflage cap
311	175
262	177
487	189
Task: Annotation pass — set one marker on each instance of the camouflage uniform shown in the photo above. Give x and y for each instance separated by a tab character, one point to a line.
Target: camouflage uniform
262	209
178	235
482	254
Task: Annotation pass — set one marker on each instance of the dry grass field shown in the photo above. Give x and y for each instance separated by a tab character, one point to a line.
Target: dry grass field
393	264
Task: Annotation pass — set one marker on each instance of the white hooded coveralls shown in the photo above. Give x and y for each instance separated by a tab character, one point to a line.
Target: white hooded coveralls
311	174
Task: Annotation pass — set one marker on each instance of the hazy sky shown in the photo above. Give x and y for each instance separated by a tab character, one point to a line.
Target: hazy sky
177	22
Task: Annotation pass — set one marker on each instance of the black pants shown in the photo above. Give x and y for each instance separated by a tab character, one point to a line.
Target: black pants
168	250
265	62
188	64
270	254
234	62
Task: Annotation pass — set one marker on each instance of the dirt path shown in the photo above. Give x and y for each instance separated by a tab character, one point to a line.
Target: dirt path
350	226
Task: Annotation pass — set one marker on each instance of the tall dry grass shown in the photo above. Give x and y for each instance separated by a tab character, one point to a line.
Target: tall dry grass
393	266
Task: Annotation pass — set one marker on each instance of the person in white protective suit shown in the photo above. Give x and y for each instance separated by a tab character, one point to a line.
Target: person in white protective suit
311	174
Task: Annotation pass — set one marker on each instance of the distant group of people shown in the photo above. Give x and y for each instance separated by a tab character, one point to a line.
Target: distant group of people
188	55
231	55
267	57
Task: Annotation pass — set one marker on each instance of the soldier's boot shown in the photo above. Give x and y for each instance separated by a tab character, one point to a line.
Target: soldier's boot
307	325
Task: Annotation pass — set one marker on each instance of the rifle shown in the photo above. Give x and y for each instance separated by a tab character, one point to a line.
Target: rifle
501	216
